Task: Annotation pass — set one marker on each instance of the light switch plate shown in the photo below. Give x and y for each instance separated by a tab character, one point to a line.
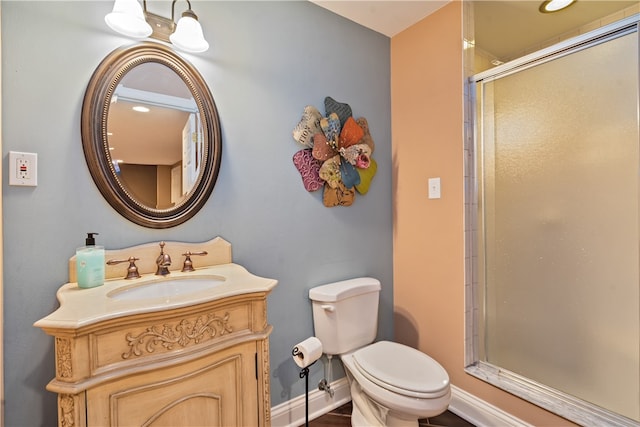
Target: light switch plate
434	188
23	169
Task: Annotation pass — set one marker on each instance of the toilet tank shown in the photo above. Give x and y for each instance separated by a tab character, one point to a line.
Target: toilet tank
345	314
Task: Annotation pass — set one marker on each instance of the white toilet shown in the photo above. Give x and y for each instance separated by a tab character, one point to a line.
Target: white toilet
391	384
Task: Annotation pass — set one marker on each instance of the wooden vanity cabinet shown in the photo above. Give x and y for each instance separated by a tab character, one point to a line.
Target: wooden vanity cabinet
198	366
204	362
216	390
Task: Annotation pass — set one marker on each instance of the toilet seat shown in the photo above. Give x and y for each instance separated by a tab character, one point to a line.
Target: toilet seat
402	369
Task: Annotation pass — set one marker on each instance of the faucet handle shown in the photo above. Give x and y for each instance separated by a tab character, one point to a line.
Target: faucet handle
188	264
132	270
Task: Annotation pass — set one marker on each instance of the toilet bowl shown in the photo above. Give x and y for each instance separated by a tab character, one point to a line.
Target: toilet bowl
391	384
407	383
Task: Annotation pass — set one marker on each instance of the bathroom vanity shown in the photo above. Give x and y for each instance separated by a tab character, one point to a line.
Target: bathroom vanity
184	349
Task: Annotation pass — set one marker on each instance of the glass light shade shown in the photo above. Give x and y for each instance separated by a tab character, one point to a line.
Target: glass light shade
127	18
188	36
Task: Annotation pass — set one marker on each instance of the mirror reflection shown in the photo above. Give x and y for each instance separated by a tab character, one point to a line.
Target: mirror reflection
151	135
154	134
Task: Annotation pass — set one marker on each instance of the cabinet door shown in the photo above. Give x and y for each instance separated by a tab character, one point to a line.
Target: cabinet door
216	390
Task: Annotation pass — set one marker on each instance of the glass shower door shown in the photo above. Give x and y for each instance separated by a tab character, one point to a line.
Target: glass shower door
559	213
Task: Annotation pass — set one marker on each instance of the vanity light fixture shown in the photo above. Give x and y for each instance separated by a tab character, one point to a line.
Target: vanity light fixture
127	18
133	20
550	6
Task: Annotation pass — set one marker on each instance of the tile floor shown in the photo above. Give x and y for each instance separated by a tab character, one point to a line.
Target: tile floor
342	417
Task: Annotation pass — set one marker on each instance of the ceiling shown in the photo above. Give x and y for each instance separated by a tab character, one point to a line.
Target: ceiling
385	17
503	28
506	29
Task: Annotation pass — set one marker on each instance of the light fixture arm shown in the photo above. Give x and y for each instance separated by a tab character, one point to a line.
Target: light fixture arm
162	27
187	12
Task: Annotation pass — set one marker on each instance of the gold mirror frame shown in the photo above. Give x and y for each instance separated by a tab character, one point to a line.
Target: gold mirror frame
95	111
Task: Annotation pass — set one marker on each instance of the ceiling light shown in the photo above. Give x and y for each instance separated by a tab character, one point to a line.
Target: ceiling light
133	20
550	6
140	109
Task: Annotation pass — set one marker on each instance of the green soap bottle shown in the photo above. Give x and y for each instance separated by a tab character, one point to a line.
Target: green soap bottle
90	263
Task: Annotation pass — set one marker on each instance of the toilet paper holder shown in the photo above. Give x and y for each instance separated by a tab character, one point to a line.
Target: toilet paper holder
304	373
300	355
311	349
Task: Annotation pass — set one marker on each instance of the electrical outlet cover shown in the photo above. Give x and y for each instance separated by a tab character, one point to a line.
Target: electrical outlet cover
23	169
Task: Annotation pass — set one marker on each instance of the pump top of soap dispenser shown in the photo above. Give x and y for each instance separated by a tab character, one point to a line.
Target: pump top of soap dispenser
90	240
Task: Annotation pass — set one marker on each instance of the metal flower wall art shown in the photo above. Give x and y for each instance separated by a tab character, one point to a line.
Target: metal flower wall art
337	154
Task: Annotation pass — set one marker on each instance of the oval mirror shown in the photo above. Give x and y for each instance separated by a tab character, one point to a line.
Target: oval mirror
151	135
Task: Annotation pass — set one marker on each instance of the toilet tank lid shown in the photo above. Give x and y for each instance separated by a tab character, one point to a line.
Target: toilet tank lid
337	291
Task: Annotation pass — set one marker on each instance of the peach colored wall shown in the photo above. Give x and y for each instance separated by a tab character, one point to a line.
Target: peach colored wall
427	135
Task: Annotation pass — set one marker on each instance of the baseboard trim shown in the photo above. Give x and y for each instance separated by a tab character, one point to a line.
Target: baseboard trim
481	413
463	404
292	412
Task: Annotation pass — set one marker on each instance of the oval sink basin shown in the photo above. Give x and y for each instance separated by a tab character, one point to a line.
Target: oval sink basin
165	288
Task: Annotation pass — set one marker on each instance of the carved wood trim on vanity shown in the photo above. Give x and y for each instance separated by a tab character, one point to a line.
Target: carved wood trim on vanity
183	333
64	367
67	410
266	383
202	358
71	410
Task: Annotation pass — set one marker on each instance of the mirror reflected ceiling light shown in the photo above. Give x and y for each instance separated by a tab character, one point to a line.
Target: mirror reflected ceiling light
131	19
550	6
154	99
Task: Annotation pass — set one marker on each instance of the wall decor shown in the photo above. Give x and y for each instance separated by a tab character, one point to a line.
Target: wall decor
338	153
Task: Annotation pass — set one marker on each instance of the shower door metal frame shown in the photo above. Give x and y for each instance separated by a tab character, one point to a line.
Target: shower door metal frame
553	400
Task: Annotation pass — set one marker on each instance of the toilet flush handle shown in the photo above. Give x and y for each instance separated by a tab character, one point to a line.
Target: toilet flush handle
328	307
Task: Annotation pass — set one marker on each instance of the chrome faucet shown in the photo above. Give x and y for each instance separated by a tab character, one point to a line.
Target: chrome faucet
163	262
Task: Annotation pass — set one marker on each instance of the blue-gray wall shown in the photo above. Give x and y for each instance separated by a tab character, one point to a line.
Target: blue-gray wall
266	62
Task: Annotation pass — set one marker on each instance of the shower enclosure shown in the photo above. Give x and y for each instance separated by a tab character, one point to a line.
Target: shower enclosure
556	277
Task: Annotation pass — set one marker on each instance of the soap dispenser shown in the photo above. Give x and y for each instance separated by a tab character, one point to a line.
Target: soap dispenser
90	263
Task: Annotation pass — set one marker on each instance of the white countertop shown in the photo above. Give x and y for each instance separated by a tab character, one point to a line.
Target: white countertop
82	307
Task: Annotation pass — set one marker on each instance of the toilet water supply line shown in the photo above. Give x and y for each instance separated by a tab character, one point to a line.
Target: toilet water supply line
325	383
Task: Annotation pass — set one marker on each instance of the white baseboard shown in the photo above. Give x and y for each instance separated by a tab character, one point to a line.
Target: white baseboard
463	404
481	413
292	412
